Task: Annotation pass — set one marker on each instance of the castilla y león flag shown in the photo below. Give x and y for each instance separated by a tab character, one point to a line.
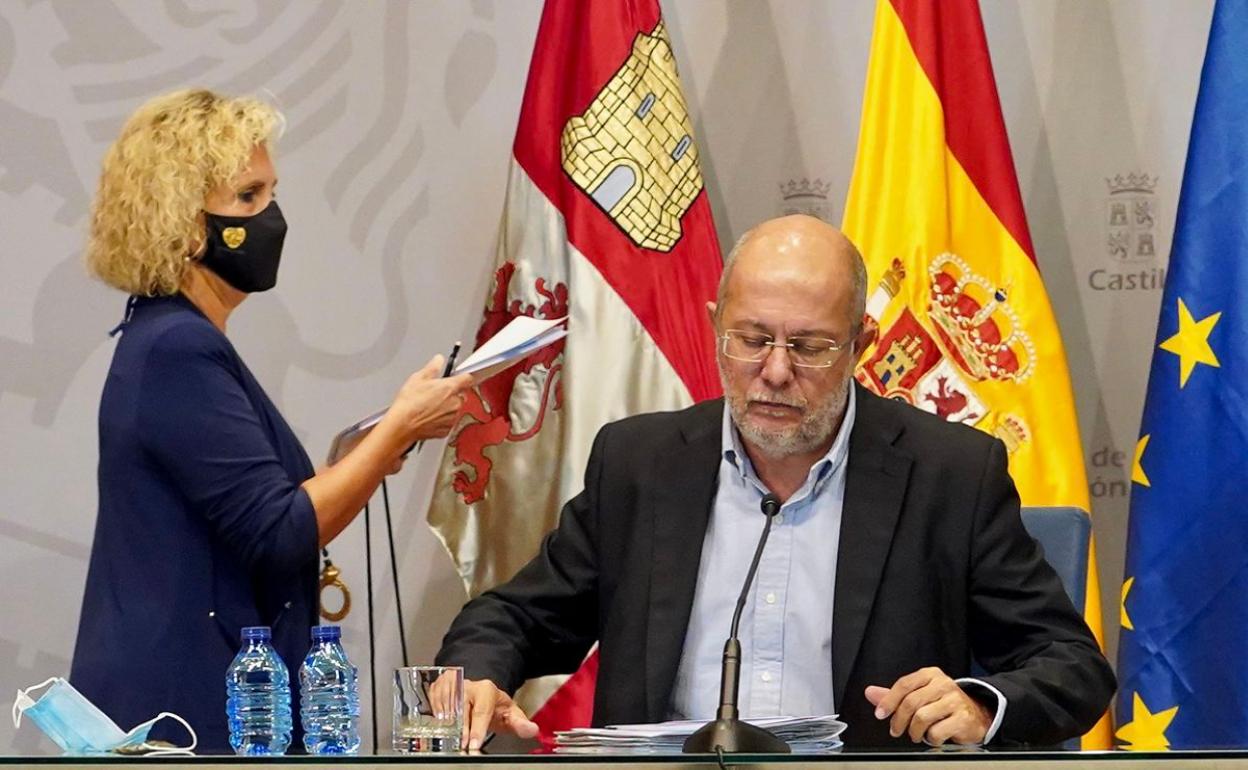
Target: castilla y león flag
966	329
606	222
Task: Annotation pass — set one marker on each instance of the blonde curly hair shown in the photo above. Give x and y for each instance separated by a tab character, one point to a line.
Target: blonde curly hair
146	216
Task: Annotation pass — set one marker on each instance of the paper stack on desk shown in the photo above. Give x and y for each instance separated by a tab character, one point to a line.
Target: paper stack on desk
805	735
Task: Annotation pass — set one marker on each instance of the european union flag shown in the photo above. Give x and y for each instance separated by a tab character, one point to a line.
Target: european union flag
1183	654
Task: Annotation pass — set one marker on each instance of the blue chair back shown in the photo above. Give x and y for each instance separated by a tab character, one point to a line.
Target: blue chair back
1063	534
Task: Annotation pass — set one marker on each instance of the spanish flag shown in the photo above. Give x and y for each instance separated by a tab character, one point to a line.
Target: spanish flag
966	329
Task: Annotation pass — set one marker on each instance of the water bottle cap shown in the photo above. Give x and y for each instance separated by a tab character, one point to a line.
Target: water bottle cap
257	634
326	633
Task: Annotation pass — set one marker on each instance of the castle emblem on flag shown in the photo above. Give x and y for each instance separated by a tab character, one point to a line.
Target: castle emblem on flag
1131	214
632	150
971	336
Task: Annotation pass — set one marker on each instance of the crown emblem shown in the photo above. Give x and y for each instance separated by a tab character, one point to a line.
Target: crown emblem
1132	183
806	188
890	282
1012	431
234	236
977	324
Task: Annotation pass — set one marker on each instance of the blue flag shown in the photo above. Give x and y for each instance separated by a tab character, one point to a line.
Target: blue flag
1183	652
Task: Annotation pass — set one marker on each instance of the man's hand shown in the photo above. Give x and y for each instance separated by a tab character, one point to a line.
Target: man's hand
929	705
489	709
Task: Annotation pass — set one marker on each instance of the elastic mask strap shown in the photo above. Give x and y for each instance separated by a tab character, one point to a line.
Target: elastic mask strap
23	700
156	751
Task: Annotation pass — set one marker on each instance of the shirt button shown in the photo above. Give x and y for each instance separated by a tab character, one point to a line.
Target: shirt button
779	519
771	598
766	676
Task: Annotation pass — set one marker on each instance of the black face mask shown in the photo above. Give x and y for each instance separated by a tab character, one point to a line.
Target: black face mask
245	251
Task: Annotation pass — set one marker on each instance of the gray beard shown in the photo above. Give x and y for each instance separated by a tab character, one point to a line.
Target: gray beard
812	432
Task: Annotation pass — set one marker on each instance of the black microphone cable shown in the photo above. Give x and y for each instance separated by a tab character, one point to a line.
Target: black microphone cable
398	601
394	573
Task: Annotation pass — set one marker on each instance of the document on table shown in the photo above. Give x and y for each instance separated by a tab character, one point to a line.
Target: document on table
805	735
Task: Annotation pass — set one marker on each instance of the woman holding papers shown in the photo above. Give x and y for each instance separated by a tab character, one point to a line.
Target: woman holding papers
210	513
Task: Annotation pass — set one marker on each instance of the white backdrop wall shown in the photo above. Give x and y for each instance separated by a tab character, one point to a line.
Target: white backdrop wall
401	116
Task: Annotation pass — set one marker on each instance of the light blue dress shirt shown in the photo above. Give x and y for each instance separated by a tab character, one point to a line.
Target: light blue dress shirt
786	626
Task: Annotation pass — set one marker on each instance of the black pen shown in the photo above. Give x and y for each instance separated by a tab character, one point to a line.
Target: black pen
446	372
450	361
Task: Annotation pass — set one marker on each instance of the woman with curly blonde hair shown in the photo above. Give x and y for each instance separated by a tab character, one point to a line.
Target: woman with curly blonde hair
210	513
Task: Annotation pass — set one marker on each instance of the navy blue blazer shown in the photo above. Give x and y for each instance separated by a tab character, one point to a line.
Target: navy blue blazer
202	527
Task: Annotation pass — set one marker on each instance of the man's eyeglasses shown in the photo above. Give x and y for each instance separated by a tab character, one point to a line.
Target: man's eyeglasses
806	352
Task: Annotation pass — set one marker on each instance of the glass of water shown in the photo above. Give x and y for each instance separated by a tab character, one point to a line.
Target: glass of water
428	709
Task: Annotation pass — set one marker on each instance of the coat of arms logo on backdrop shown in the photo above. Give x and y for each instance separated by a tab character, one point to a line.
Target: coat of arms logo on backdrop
1131	217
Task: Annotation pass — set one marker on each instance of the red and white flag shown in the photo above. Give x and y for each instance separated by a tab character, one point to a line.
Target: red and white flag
606	222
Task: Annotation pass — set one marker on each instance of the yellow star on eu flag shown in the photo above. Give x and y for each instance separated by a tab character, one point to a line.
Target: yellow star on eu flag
1126	588
1137	470
1191	342
1146	731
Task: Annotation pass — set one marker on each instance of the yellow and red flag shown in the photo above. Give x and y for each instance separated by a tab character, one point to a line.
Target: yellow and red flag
606	222
966	329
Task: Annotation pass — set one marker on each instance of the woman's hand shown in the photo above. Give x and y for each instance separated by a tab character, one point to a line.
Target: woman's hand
428	405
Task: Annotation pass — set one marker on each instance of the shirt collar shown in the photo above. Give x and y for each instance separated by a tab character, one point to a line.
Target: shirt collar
734	451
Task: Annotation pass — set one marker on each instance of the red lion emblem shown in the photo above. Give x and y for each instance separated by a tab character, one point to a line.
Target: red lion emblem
948	402
486	410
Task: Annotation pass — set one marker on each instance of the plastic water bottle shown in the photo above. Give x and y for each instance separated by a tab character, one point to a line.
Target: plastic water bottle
329	697
257	703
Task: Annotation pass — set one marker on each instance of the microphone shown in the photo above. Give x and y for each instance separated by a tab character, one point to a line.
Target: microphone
727	733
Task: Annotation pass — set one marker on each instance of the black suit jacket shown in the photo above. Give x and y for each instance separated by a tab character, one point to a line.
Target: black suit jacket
935	569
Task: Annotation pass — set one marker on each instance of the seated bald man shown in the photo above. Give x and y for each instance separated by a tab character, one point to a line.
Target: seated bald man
897	558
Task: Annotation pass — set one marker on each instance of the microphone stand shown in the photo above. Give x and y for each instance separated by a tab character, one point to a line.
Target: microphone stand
727	733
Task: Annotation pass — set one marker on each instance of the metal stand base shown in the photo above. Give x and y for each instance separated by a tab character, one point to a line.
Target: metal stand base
733	736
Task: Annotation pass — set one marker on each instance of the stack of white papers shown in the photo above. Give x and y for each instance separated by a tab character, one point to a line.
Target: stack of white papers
805	735
520	337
